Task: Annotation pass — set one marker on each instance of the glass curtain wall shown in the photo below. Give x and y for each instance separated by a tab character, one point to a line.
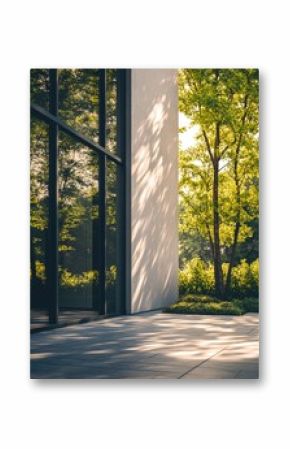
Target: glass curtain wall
77	194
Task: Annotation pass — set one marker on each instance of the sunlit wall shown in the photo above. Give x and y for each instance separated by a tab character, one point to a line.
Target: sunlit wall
154	243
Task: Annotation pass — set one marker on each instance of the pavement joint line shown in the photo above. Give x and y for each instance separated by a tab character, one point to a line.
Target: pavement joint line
201	363
126	348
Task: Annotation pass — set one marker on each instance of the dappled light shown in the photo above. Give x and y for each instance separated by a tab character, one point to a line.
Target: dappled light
154	190
219	181
150	345
105	200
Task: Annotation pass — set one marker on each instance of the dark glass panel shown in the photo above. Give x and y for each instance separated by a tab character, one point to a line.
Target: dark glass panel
79	100
111	110
38	218
113	250
78	225
39	87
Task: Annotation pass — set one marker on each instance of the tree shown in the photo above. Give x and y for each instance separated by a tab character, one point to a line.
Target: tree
222	167
78	179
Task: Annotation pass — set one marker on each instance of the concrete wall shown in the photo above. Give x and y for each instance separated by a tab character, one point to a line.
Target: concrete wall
154	172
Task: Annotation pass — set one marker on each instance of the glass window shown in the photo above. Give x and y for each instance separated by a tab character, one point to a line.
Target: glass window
79	100
78	224
39	87
111	110
89	211
113	244
38	217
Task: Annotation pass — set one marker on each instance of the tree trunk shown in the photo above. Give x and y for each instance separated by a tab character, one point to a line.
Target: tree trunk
218	275
215	158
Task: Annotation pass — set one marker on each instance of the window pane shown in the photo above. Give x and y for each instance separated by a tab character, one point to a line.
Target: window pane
113	244
80	228
79	100
78	225
111	119
39	87
38	218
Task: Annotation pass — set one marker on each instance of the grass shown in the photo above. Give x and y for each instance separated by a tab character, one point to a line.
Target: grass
209	305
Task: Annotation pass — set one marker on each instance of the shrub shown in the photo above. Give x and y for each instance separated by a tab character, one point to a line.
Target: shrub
189	298
206	308
198	277
248	304
245	279
68	279
208	305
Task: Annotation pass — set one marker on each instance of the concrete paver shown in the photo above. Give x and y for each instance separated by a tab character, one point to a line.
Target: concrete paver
150	346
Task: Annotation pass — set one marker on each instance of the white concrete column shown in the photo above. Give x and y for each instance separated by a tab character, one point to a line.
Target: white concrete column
154	180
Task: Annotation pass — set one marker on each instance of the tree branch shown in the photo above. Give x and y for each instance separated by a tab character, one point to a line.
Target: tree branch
224	151
207	145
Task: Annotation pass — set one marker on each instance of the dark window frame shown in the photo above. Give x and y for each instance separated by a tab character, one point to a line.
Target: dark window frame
55	125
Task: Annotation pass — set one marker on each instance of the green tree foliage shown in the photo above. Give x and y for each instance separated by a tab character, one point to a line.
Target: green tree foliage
219	172
78	200
197	276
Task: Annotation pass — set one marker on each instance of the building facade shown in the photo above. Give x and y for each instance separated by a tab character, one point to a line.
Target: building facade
103	191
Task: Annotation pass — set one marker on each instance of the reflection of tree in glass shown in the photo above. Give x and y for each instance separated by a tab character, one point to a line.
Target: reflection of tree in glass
78	211
112	237
39	87
79	100
77	179
38	203
111	104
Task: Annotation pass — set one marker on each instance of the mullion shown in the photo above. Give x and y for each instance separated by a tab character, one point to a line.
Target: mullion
121	139
51	118
102	191
52	252
99	227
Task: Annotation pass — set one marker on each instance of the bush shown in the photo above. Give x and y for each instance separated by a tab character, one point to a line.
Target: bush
198	277
210	308
249	304
245	279
189	298
208	305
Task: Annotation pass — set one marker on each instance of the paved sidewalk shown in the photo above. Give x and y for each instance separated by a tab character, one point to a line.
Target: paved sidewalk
150	346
